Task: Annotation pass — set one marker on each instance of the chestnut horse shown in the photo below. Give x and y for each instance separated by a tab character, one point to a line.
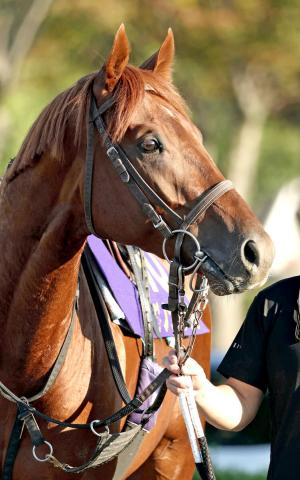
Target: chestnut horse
42	236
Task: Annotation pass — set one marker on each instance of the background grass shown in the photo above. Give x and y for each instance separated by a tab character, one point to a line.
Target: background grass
235	475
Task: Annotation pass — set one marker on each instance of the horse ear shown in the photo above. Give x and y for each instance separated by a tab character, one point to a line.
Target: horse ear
117	60
161	62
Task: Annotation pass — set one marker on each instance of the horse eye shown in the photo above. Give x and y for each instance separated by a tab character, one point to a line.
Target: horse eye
150	145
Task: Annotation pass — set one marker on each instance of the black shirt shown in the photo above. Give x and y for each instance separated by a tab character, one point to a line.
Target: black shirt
266	354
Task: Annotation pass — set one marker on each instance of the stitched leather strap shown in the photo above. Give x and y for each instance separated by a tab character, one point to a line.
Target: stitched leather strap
90	272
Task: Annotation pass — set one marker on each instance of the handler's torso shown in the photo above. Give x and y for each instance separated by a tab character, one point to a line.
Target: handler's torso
266	354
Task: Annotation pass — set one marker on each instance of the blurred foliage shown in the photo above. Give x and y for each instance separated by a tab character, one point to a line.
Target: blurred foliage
214	39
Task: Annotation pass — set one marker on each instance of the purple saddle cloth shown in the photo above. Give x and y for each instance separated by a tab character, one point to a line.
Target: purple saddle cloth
149	370
126	295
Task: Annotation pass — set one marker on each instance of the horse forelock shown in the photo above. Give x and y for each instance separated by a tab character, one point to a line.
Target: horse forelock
48	132
129	94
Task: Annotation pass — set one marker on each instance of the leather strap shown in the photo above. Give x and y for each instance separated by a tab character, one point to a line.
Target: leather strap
12	449
205	200
143	290
33	429
90	271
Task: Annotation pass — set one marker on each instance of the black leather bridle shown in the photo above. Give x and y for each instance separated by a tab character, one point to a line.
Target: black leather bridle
141	190
148	199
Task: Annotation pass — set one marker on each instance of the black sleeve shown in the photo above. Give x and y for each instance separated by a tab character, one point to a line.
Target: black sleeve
245	359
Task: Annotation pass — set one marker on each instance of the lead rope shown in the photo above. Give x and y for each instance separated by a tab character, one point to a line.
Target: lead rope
182	317
187	401
196	434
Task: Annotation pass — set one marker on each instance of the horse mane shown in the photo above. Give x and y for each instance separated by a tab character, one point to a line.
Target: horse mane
71	107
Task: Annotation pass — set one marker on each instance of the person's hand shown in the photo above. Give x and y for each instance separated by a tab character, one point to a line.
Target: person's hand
191	370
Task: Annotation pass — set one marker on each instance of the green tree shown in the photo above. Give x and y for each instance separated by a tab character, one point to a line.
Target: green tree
19	25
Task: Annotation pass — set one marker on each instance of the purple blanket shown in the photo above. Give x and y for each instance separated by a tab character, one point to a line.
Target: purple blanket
148	372
126	295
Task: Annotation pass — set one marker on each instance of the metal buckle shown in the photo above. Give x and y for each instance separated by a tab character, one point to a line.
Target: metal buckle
114	156
95	432
112	153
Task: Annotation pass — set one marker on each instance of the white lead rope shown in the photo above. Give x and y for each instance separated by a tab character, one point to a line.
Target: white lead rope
191	402
189	426
195	432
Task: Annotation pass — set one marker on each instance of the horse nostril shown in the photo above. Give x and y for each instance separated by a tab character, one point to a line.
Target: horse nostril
251	253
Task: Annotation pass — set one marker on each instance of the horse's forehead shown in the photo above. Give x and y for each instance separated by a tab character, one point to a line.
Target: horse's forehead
168	118
178	120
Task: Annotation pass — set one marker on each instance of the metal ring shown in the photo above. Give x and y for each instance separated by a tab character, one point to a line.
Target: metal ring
185	232
94	431
201	289
46	456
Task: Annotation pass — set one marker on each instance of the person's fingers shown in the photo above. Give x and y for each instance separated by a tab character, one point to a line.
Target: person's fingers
178	385
179	382
172	367
173	360
176	390
172	357
172	388
191	367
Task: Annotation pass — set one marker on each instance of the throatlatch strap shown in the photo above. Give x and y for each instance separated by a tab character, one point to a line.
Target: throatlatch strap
88	179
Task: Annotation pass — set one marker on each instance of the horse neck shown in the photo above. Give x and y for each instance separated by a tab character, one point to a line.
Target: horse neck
42	233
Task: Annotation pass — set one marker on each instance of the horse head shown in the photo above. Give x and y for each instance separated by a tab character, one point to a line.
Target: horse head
149	122
146	134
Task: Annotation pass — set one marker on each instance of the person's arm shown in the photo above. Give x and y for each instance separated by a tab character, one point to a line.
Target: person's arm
231	406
